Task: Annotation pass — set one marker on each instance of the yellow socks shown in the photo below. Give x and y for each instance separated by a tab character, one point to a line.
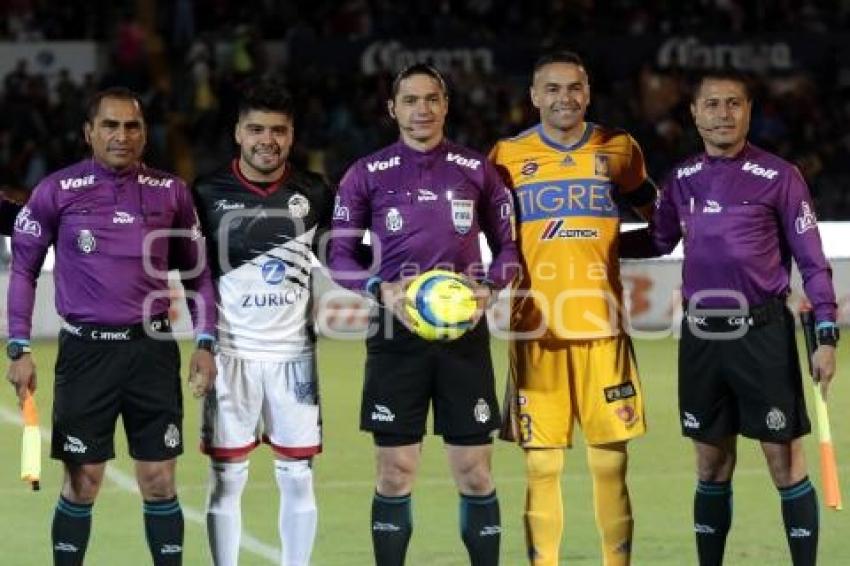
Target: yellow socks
611	501
544	510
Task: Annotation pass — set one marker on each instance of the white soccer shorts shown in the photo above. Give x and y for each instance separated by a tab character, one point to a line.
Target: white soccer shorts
269	401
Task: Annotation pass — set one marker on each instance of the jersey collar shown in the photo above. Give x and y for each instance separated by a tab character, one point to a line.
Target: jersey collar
746	152
417	154
588	130
102	170
234	166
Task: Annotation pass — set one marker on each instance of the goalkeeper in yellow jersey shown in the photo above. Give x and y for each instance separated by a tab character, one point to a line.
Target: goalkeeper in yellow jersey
570	361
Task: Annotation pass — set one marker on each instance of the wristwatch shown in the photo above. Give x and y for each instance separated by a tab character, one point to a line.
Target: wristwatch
16	350
207	344
373	288
828	335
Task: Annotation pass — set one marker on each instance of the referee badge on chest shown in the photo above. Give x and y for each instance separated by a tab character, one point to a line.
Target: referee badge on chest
394	220
86	242
462	213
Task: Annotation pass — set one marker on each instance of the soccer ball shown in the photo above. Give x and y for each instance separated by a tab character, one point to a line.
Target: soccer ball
441	305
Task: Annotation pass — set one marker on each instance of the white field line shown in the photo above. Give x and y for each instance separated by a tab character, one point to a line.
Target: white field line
125	482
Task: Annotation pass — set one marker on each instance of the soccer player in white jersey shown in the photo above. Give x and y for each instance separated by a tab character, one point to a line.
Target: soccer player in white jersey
263	219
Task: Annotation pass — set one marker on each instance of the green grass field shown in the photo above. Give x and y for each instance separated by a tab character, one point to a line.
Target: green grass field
661	481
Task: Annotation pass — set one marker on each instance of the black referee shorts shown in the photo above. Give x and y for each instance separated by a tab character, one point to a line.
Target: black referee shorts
99	379
406	374
750	385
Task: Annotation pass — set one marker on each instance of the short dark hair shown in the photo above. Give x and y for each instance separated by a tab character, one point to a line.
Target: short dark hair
722	74
269	95
119	92
419	69
559	56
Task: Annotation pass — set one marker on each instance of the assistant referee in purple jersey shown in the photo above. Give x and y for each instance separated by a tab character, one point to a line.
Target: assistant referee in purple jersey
743	214
425	201
117	227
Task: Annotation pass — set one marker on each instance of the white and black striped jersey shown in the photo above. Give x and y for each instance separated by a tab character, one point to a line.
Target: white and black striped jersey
261	242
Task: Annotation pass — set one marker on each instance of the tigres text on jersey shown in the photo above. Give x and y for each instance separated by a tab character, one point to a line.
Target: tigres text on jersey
261	242
569	227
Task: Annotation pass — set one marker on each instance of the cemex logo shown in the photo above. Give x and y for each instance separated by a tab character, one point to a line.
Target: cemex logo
554	229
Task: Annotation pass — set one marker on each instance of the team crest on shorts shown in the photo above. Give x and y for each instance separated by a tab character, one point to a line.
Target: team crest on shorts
86	242
306	392
775	419
481	411
299	206
394	220
627	414
172	436
462	212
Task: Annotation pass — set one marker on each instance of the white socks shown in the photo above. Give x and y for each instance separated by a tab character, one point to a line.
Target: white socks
224	510
297	518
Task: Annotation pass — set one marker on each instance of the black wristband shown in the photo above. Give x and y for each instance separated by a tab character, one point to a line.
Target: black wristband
828	335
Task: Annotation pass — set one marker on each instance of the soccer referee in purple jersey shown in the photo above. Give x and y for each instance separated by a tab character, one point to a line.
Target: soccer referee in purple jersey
116	355
425	201
743	214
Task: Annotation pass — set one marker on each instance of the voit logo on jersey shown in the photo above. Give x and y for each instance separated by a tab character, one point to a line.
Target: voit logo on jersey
158	182
76	182
273	271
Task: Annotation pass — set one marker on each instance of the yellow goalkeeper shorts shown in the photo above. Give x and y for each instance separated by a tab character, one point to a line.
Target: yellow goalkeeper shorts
593	383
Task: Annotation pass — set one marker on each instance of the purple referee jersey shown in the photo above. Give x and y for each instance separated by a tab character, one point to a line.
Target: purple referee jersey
742	220
425	211
97	219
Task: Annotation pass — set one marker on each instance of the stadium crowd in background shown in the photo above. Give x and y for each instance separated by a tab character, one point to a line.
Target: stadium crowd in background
802	117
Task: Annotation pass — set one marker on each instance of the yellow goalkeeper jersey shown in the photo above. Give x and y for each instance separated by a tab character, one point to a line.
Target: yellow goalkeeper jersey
569	227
